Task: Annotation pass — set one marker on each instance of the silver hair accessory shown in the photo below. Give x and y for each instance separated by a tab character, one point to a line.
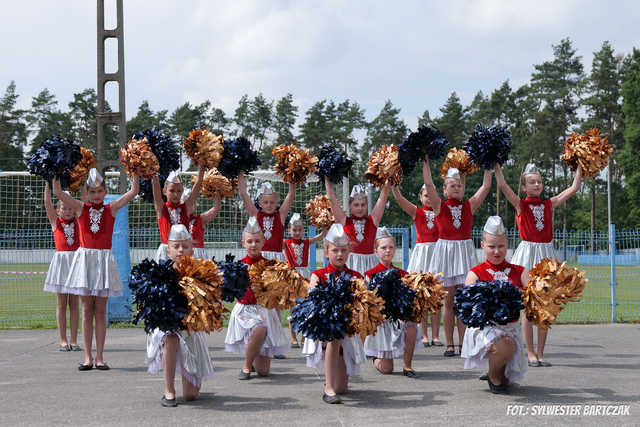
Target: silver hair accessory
453	173
179	232
252	226
424	187
174	177
185	194
296	219
265	188
94	179
530	168
382	232
337	236
495	226
358	191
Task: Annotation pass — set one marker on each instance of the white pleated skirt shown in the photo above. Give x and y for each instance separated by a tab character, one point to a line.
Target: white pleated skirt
362	262
274	255
192	360
93	272
477	342
304	272
161	253
528	254
352	353
389	340
58	272
454	259
244	319
421	257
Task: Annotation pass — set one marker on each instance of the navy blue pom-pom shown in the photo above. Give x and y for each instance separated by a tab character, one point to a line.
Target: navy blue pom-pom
398	297
54	159
238	157
425	141
163	147
156	293
146	188
485	303
235	276
333	164
488	146
322	315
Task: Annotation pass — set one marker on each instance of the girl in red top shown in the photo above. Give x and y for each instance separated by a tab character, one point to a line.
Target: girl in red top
174	210
94	274
65	236
535	223
340	358
427	235
254	330
196	225
360	227
393	339
454	254
496	347
270	218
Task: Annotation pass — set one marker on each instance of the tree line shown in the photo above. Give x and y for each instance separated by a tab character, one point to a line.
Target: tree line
559	98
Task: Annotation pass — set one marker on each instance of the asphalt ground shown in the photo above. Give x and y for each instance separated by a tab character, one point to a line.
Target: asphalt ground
592	365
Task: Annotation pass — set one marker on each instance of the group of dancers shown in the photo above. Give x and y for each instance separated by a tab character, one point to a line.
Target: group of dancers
355	245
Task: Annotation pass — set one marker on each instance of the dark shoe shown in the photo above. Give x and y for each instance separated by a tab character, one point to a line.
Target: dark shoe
253	369
534	363
295	345
484	377
82	367
74	347
103	367
544	363
450	353
244	375
410	374
64	348
331	400
426	343
498	389
459	350
168	403
279	356
437	343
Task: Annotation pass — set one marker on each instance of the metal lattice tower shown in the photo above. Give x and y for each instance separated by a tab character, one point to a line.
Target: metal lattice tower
117	118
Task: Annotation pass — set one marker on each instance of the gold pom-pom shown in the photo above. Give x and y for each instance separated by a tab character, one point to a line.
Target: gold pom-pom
589	150
137	158
294	163
201	283
551	285
277	285
215	184
80	172
365	311
429	293
458	158
319	212
384	167
204	148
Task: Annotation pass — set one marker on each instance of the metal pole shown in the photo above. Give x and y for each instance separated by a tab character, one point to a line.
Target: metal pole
312	250
612	257
369	198
405	248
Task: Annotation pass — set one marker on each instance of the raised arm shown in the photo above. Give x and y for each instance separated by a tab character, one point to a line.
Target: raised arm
336	208
476	200
207	216
66	198
190	203
48	207
319	236
126	197
378	209
524	278
287	202
242	190
431	189
404	204
506	190
158	203
566	194
471	278
313	281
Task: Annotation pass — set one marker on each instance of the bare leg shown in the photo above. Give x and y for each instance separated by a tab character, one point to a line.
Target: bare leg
253	347
500	353
435	325
423	328
527	331
384	366
542	340
447	313
335	370
101	327
262	365
87	327
409	345
189	391
294	337
61	316
169	356
73	318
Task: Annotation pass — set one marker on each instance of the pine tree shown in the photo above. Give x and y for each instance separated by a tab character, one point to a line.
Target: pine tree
629	159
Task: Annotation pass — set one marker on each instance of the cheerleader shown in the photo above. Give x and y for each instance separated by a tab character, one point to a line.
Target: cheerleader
497	348
179	351
175	210
454	253
93	273
426	237
270	217
393	339
196	225
65	236
535	223
296	251
360	227
340	358
254	331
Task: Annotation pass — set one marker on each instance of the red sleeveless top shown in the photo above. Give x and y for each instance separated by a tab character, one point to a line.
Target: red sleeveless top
426	227
455	220
66	234
297	252
323	273
535	221
194	225
488	272
172	213
249	297
96	226
362	234
380	268
273	230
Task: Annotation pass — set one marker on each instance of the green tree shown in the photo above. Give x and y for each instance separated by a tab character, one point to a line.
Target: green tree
146	118
314	131
260	116
242	118
453	121
13	131
45	120
629	159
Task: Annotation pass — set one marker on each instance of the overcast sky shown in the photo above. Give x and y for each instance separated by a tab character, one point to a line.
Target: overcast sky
412	52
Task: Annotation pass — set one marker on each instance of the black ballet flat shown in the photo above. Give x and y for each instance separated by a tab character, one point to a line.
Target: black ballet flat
168	403
331	400
244	375
498	389
484	377
409	374
83	367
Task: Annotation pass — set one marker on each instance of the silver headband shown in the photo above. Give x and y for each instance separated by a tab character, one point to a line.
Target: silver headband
94	179
296	219
174	177
252	226
179	232
453	173
265	188
337	236
382	233
358	191
530	168
495	226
